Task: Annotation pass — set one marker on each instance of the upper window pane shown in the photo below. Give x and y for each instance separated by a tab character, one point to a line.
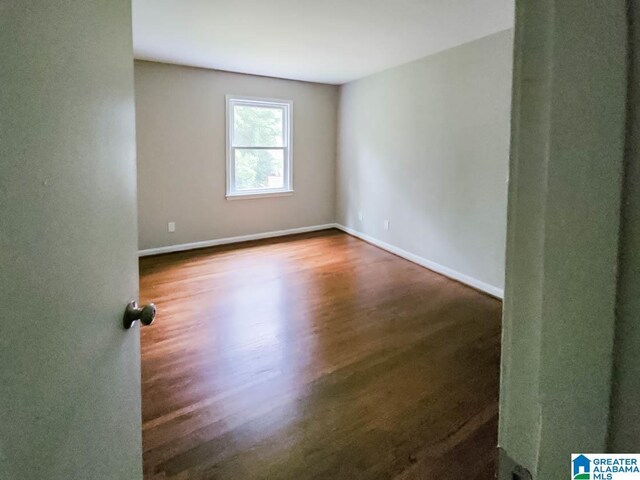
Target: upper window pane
258	126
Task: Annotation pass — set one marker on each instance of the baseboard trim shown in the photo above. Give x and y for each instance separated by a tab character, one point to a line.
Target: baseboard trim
225	241
423	262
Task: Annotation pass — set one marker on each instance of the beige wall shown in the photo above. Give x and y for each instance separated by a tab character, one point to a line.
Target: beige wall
180	119
426	146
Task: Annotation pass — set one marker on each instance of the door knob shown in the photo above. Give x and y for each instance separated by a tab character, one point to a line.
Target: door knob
133	312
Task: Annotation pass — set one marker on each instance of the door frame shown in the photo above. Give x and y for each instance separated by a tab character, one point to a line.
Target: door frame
566	177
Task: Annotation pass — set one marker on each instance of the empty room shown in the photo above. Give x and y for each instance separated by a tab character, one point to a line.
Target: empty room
295	240
323	236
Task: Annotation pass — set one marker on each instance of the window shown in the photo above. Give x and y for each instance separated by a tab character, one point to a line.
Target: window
258	147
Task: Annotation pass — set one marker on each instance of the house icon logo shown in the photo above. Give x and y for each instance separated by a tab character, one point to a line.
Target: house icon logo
581	468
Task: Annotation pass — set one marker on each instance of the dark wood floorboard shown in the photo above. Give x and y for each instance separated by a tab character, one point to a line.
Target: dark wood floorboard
315	356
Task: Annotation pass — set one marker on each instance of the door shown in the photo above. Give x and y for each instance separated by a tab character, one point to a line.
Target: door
69	372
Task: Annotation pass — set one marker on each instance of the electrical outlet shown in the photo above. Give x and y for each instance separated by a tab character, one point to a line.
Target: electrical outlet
386	224
360	216
171	226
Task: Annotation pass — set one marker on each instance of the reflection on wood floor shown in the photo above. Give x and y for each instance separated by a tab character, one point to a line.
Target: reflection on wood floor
315	356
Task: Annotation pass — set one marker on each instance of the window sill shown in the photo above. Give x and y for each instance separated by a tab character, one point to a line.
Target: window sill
249	196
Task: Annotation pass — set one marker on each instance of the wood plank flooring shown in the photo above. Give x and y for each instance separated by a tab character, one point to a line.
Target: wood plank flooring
315	356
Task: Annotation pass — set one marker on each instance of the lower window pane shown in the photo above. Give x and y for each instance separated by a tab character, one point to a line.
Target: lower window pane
259	169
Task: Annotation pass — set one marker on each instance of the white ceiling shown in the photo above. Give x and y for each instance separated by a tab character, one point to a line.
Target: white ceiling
329	41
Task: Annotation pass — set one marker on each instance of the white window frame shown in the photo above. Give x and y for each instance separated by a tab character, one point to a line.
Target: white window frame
287	107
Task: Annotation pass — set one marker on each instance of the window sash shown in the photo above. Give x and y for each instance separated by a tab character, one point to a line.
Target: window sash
286	107
285	120
286	183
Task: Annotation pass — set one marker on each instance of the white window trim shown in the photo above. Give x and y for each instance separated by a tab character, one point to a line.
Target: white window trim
287	105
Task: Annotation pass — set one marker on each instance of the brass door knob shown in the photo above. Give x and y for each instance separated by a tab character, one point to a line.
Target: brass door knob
133	312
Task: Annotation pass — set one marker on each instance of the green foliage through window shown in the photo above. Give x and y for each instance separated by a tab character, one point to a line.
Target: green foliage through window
255	130
257	169
257	127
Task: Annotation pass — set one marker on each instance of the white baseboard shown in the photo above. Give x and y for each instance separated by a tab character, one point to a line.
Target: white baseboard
225	241
446	271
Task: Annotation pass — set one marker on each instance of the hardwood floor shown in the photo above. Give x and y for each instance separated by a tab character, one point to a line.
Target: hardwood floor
316	356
